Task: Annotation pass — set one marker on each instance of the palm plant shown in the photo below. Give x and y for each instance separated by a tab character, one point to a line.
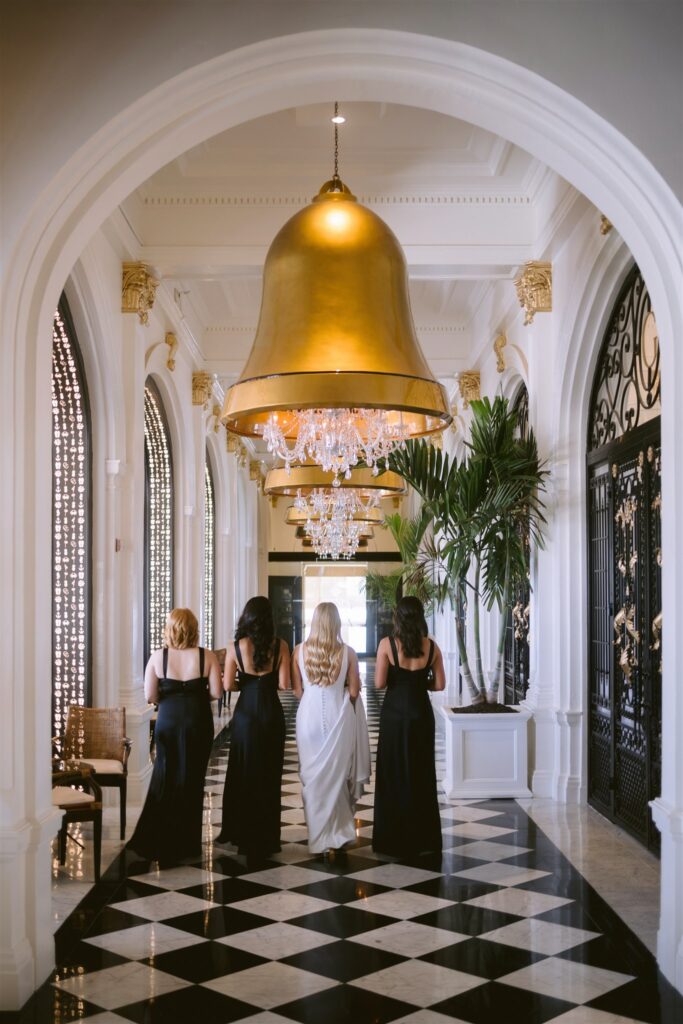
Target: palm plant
483	513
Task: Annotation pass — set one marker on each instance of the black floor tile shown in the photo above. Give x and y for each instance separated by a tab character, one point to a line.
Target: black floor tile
345	1004
467	920
482	958
188	1004
343	961
340	889
85	957
653	1002
492	1003
342	921
204	962
217	922
450	887
231	890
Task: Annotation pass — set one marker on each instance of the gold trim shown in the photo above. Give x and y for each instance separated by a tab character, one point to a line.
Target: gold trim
201	387
535	289
469	387
308	478
498	346
172	343
138	290
249	403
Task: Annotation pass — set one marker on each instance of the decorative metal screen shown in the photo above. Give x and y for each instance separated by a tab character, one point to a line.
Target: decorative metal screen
624	531
626	392
516	658
209	551
71	523
158	519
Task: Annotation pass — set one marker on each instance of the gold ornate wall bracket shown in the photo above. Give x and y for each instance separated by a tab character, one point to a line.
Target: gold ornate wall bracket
605	225
138	290
201	387
469	386
535	289
172	343
498	346
216	414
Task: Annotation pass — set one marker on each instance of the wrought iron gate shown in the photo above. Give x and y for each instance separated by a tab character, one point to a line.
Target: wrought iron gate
516	656
624	551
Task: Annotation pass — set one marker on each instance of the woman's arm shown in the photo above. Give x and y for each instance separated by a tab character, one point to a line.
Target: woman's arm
353	675
284	680
297	682
382	665
152	680
214	673
439	671
230	672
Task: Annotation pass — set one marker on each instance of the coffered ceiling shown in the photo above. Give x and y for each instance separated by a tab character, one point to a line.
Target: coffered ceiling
467	206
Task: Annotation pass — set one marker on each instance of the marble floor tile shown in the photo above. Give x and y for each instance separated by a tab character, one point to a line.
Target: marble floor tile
539	936
144	940
476	830
282	906
501	874
564	979
286	877
270	985
419	983
117	986
521	902
400	904
394	875
183	877
277	941
408	938
485	850
163	905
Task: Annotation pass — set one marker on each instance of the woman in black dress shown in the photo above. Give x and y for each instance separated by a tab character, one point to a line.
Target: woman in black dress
181	678
406	809
257	666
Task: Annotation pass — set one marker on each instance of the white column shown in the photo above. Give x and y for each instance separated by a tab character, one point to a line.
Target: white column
131	559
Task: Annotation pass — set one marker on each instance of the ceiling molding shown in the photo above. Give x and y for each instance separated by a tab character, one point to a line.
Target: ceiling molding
478	198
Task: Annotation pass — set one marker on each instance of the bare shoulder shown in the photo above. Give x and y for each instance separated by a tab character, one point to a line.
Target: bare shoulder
383	646
353	657
284	646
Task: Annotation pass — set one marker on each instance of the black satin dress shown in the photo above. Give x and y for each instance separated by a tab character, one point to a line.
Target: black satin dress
406	818
251	798
170	826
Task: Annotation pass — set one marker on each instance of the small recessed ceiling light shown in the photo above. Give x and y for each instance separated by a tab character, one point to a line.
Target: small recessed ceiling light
338	119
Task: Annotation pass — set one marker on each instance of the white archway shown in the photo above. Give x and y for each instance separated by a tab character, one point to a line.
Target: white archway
382	65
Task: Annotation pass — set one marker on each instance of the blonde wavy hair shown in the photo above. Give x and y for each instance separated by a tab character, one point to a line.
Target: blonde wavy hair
324	644
181	629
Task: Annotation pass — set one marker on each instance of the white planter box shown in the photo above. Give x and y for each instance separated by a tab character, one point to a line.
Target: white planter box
486	755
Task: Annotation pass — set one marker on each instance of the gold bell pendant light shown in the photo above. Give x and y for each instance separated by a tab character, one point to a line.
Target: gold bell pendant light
335	375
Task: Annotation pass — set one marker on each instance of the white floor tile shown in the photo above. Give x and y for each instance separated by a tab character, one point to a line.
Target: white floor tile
419	983
522	902
144	940
476	830
278	940
118	986
564	979
400	904
270	984
182	877
501	874
484	850
286	877
282	906
163	905
407	938
395	875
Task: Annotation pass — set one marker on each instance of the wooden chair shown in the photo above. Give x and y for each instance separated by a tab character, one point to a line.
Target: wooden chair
80	805
97	737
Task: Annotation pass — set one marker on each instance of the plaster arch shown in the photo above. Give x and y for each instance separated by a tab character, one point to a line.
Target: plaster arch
384	65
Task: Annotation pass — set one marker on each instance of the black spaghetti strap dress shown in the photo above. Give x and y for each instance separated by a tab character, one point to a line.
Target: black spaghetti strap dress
251	798
170	826
406	808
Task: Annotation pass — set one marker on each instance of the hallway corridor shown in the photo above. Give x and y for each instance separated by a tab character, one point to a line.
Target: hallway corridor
500	928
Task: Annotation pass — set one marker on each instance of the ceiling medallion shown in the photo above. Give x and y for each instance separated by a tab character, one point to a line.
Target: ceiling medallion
336	374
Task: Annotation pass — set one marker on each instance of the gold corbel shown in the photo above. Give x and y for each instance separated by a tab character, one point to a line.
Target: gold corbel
201	387
498	346
216	413
535	289
469	386
172	343
605	225
138	290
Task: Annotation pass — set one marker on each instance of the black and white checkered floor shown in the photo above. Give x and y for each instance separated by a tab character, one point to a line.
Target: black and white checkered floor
498	928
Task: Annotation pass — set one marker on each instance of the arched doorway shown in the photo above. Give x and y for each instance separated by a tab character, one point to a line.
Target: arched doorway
624	571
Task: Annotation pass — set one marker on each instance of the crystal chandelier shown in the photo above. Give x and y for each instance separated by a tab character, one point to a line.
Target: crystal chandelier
338	505
335	374
334	538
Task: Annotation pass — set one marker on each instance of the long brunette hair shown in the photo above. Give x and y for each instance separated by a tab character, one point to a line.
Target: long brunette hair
410	626
256	622
321	650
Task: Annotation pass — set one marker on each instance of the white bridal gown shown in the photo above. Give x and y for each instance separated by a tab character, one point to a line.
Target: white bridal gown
334	758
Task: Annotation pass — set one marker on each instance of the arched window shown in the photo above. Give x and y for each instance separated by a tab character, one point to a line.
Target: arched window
71	523
158	519
209	550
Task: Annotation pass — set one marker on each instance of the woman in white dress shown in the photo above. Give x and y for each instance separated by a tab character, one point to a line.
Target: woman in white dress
331	732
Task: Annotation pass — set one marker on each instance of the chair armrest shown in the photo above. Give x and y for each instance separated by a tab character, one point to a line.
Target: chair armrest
93	787
127	744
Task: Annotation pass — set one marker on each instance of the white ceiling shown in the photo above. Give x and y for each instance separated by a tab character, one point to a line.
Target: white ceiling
467	206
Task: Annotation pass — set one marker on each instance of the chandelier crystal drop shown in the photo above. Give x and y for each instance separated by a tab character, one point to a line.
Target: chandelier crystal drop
338	505
337	439
334	538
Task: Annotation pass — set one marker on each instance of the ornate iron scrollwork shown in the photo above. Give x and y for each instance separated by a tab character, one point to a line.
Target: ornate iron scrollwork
627	388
